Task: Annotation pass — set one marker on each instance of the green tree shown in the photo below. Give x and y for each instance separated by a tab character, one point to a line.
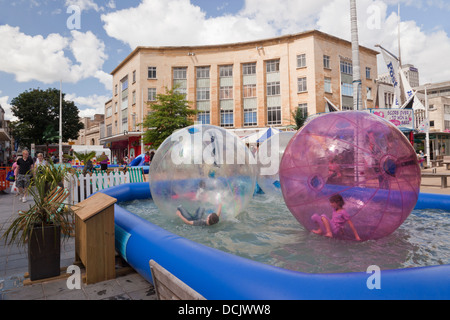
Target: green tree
299	118
170	112
38	117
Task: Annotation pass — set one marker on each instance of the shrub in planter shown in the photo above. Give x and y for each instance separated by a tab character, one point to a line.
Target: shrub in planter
41	227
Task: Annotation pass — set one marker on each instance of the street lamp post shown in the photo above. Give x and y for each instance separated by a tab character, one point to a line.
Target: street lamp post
60	123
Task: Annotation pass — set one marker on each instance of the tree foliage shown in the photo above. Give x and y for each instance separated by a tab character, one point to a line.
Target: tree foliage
299	118
38	117
169	113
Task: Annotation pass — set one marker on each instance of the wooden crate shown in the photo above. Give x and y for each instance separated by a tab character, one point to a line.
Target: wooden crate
94	237
169	287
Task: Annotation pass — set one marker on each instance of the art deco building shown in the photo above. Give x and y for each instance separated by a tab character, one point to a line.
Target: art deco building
240	86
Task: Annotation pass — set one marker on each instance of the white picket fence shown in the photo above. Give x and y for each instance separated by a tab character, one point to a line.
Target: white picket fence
81	187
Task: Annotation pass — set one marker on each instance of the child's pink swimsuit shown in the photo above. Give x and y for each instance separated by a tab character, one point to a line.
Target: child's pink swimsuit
337	222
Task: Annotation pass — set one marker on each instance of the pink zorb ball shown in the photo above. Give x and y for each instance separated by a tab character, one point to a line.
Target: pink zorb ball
359	156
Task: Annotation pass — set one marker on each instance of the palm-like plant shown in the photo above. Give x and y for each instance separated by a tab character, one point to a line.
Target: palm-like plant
44	212
85	158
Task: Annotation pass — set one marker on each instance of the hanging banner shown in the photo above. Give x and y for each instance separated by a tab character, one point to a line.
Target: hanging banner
393	68
401	118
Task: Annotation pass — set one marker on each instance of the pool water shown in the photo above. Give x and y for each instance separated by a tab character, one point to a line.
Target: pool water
268	233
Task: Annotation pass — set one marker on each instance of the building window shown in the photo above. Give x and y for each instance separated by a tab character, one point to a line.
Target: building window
446	109
249	69
116	107
347	89
109	130
368	73
124	85
226	118
116	90
274	115
369	93
326	62
108	112
250	117
273	88
202	72
225	93
301	61
151	94
303	109
180	73
346	67
133	97
447	125
302	85
226	71
249	91
327	85
432	123
204	117
202	94
273	66
125	122
134	76
151	72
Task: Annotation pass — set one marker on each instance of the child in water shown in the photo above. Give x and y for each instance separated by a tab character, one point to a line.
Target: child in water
336	224
198	219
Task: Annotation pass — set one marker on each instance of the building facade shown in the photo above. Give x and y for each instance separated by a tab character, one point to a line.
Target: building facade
242	86
5	139
90	134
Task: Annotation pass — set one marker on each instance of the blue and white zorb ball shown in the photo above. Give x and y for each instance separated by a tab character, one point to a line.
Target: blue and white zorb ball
202	166
269	157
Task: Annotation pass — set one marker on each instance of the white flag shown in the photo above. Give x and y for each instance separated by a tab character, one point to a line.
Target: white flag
409	92
393	68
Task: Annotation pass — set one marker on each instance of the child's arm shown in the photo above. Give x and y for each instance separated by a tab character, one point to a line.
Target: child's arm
352	226
184	219
219	210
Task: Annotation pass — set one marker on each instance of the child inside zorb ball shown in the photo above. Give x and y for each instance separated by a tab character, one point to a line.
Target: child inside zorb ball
202	166
363	158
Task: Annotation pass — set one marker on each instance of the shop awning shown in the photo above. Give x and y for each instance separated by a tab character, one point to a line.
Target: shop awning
4	136
121	136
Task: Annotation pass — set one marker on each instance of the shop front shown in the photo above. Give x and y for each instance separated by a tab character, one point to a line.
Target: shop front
439	144
126	145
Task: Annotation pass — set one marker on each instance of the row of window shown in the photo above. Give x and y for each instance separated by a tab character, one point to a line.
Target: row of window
250	117
180	73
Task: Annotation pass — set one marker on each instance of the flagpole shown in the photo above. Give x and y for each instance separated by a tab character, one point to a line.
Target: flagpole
357	96
427	132
60	123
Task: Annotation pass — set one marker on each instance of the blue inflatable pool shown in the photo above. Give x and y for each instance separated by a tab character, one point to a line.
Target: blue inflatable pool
223	276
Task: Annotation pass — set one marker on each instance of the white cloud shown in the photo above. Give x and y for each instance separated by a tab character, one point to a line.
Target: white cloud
417	46
179	22
90	105
7	108
84	4
45	60
89	51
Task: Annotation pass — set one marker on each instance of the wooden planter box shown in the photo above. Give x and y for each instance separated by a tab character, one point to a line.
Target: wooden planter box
94	237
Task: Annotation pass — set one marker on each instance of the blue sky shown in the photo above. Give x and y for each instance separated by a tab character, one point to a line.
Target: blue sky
38	49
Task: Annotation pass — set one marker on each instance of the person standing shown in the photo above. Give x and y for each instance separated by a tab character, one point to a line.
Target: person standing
24	172
40	161
103	161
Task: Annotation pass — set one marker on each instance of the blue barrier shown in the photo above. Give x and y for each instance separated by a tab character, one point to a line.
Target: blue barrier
223	276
